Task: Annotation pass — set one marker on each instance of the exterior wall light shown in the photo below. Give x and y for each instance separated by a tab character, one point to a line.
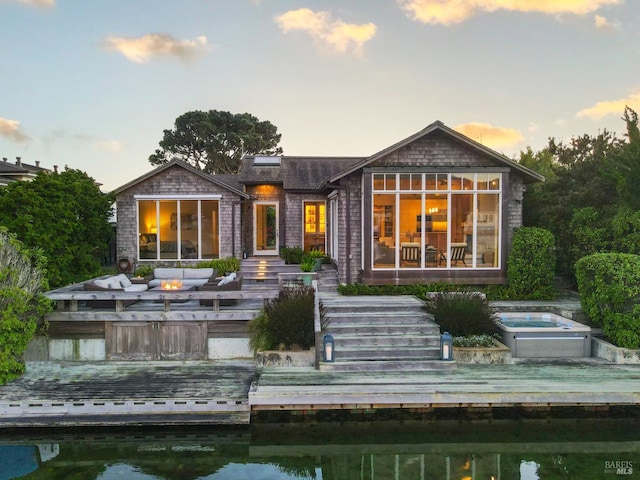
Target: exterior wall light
328	345
446	346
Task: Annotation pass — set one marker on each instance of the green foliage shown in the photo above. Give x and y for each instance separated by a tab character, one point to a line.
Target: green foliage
474	341
531	264
316	254
64	215
143	270
625	227
292	255
307	264
609	287
22	305
222	265
285	322
216	141
417	290
462	313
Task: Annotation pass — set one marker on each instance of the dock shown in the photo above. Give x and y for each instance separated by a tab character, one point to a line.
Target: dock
234	392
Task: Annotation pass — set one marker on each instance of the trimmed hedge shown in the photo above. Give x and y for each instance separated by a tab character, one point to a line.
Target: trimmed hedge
609	287
531	265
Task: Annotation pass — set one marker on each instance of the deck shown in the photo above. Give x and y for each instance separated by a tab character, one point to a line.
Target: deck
128	393
529	384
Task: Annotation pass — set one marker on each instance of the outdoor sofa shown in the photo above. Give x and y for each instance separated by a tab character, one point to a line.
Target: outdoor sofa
231	282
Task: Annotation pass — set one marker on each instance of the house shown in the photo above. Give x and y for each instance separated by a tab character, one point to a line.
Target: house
18	171
436	206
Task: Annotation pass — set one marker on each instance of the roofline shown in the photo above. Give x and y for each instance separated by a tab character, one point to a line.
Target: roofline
438	125
186	166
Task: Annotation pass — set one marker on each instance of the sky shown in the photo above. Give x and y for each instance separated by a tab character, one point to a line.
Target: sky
92	84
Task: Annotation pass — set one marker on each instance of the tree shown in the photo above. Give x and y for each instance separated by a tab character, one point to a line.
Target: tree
66	216
215	141
22	305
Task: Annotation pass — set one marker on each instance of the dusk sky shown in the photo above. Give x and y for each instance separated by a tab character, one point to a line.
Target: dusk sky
92	84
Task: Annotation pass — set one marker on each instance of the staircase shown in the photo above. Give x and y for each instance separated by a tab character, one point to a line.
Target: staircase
380	333
262	273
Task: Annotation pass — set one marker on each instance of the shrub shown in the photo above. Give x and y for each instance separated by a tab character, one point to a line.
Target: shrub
292	256
22	305
462	313
531	264
285	322
609	287
222	265
474	341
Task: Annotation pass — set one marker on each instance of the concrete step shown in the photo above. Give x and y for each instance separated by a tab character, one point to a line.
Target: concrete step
377	318
346	329
405	352
372	341
386	366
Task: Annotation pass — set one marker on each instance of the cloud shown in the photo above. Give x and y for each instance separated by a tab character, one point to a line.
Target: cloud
143	49
113	146
448	12
494	137
602	23
10	129
611	107
335	34
33	3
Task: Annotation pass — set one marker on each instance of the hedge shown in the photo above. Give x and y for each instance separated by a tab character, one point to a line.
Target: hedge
609	287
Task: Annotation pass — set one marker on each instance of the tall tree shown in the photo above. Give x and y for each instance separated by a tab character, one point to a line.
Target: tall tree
216	141
65	215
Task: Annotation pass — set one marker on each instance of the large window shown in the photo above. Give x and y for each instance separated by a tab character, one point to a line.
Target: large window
178	229
436	220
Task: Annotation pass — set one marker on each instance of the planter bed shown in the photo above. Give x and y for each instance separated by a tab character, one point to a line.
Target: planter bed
499	353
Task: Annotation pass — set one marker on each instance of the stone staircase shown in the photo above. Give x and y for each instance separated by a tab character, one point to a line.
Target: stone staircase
262	273
380	333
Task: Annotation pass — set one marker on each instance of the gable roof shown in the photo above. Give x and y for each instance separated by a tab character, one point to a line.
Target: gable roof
228	182
529	175
294	173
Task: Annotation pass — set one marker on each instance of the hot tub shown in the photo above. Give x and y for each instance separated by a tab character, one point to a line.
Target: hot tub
544	335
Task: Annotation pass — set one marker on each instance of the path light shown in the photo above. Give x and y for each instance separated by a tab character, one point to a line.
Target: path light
328	345
446	346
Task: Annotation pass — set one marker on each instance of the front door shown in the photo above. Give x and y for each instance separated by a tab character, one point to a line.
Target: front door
265	226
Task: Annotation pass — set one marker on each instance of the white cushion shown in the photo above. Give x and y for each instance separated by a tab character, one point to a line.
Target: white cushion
198	272
102	283
168	273
124	281
138	287
114	284
228	279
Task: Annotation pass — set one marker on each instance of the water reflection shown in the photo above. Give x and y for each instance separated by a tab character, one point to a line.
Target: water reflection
450	450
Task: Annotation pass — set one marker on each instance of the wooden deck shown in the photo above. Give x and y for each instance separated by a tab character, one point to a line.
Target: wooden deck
128	393
553	384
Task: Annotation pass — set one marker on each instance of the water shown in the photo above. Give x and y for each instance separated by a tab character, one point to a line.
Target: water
529	323
555	449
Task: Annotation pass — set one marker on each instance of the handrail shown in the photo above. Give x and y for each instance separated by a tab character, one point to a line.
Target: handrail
317	326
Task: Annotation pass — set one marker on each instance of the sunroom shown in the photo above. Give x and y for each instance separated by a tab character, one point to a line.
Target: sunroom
436	220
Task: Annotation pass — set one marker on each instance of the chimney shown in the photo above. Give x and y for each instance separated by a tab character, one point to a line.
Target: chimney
4	159
55	168
37	163
19	161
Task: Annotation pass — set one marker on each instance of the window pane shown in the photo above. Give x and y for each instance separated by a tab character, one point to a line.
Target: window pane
494	181
188	229
467	181
405	181
209	233
378	181
410	237
147	229
390	181
384	252
430	181
456	181
435	226
168	230
488	231
460	251
442	181
483	181
416	181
